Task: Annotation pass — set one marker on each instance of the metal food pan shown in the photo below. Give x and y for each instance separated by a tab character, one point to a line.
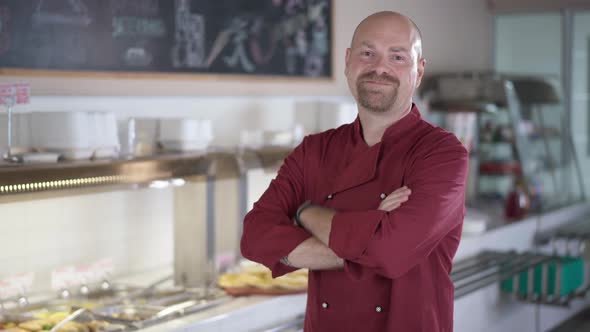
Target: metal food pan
130	312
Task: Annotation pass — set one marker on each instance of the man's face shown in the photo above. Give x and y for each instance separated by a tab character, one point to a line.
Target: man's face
383	65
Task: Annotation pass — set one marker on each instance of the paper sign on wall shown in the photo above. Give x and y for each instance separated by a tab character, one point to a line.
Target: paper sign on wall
62	278
13	94
16	285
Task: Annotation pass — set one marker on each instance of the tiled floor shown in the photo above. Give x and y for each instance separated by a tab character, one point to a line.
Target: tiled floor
578	323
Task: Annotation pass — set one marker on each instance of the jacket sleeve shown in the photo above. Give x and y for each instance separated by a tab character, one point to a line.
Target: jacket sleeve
393	242
268	232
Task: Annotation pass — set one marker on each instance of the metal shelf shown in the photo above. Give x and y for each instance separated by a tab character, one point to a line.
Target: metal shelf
490	267
22	179
269	157
67	178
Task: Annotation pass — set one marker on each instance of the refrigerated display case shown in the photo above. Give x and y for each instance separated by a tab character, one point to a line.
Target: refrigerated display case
522	159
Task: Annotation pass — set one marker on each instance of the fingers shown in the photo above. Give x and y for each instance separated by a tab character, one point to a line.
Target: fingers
403	191
395	199
400	194
392	204
389	208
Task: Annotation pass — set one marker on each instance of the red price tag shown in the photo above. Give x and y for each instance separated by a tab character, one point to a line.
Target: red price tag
5	90
23	92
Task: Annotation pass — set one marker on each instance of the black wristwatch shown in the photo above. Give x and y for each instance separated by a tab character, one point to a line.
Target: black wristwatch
301	208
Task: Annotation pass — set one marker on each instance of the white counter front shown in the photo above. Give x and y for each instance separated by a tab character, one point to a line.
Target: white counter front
242	314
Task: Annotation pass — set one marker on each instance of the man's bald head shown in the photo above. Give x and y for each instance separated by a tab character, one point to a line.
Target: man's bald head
394	17
384	64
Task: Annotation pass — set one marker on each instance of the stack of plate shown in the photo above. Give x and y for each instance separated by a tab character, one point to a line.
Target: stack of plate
185	134
104	135
75	135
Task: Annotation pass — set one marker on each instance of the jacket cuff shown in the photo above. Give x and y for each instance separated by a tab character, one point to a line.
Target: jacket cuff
351	232
288	244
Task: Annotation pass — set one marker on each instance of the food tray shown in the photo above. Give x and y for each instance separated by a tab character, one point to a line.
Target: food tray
130	312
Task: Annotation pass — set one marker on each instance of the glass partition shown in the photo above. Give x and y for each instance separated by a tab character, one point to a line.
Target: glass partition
580	90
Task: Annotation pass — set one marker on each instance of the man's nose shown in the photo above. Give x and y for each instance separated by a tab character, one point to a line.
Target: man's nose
380	66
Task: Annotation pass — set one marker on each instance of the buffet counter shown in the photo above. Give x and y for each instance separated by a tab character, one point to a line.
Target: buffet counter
244	313
486	309
249	313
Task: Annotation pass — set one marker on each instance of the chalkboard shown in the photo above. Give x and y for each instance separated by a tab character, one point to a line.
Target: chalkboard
249	37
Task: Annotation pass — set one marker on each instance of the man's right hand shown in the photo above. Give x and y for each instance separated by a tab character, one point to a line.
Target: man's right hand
395	199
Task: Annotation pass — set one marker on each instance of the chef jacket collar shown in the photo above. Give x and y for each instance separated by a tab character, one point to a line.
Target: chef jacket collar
363	166
394	132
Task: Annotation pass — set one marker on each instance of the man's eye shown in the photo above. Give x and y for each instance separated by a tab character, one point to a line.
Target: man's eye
366	53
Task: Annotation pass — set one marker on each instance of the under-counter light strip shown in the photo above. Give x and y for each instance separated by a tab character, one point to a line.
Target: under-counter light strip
60	184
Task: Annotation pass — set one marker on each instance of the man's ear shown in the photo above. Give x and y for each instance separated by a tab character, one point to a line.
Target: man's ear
346	59
421	66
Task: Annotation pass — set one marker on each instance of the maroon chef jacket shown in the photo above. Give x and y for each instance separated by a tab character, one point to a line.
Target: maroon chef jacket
397	264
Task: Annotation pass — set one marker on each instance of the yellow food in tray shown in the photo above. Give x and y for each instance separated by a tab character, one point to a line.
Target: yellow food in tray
52	317
7	325
257	276
291	281
33	325
238	280
48	323
15	329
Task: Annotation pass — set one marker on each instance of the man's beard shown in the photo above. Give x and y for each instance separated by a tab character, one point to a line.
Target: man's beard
373	100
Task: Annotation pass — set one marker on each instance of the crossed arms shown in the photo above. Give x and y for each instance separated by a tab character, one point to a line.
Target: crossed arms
389	240
314	253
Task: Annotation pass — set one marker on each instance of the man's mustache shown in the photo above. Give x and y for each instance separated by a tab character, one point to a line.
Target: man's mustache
372	76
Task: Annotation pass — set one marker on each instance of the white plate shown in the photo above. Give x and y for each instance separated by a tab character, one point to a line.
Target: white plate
72	154
39	157
77	154
106	153
184	145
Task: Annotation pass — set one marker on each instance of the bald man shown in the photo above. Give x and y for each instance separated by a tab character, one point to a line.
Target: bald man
373	209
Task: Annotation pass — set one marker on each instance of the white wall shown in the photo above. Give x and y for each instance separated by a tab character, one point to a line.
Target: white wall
521	49
134	230
457	33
